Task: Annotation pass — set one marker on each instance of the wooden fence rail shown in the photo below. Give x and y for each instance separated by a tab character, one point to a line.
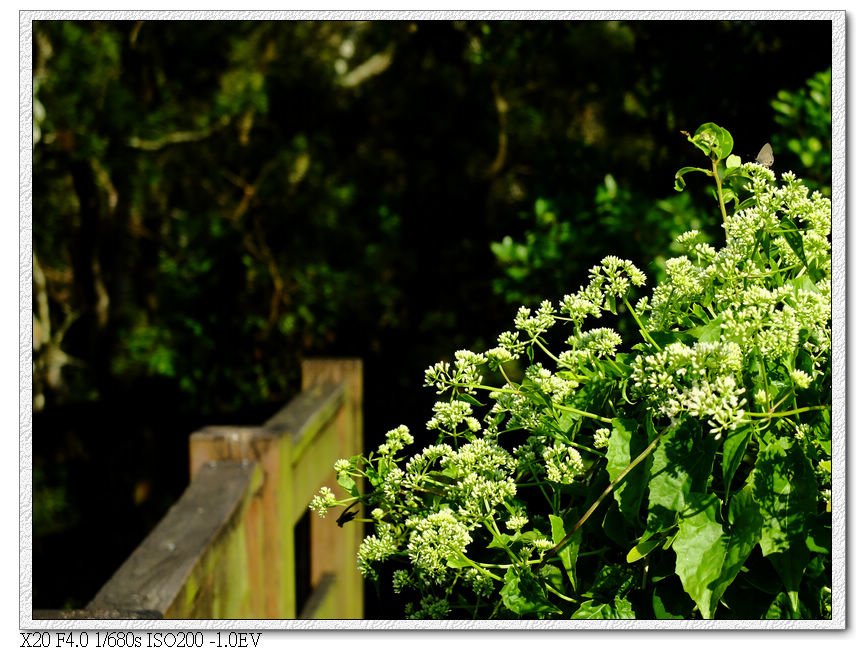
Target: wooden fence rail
241	543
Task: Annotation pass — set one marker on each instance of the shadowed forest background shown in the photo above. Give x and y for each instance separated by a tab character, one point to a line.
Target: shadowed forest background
214	201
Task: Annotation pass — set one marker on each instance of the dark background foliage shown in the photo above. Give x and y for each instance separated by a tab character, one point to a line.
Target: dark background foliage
213	201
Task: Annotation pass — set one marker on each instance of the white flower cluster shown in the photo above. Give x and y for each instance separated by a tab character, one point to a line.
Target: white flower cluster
482	477
773	320
586	302
557	388
395	440
718	400
431	607
498	356
465	372
700	251
433	540
481	583
563	464
420	463
602	438
614	276
523	413
599	342
517	522
374	549
684	277
700	380
536	325
543	544
322	501
511	343
450	415
401	580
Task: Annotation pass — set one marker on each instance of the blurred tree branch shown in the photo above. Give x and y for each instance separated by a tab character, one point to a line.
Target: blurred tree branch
178	137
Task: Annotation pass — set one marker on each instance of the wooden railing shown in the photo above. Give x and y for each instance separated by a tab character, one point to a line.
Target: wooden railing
241	543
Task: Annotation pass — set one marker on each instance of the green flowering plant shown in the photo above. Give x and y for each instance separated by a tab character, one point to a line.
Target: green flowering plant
688	477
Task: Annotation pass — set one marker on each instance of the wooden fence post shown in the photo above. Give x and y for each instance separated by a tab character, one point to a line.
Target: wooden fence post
334	549
296	449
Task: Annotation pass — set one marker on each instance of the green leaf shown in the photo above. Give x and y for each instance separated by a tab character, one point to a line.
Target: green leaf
569	552
679	183
458	561
463	397
735	444
713	140
522	594
780	609
347	482
642	549
592	609
790	233
708	333
681	461
708	558
614	525
624	446
786	490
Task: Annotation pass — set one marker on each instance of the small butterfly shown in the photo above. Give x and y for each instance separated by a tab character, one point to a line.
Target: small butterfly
766	157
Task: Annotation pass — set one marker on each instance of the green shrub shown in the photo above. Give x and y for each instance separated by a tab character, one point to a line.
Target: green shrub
712	436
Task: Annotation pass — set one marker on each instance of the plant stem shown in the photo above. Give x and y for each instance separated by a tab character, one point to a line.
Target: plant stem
642	327
583	413
786	413
720	192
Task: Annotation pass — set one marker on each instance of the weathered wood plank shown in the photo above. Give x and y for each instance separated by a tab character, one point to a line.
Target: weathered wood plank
226	548
94	615
308	413
157	573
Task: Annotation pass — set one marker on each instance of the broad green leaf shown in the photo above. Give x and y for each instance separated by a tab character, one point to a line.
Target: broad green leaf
458	561
642	549
735	444
522	594
614	525
670	482
682	461
593	609
551	576
787	493
569	552
698	545
625	444
347	482
715	141
707	333
708	558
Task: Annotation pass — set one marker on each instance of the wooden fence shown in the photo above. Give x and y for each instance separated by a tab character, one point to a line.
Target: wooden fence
241	543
